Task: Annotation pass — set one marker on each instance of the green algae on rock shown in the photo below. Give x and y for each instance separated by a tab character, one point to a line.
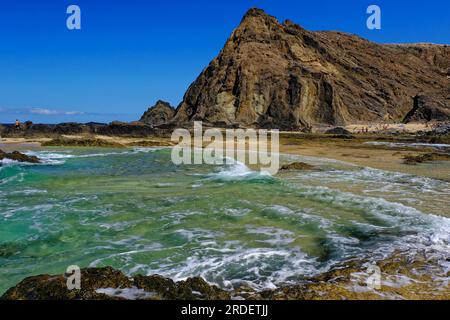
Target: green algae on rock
85	142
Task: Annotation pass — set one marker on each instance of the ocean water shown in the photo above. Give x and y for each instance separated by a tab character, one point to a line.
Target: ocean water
136	211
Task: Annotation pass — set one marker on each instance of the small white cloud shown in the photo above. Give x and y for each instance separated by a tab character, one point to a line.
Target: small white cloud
50	112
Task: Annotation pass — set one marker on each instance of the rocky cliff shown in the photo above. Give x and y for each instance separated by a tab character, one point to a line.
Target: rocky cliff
279	75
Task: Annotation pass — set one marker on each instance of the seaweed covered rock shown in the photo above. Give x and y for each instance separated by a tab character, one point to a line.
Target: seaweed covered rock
426	157
87	142
110	284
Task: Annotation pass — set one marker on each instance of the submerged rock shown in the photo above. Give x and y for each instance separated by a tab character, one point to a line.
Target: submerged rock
426	157
151	143
297	166
17	156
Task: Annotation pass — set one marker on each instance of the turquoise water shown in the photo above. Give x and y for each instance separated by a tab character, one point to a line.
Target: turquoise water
134	210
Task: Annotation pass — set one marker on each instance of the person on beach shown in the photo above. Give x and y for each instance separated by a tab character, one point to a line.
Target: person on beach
17	124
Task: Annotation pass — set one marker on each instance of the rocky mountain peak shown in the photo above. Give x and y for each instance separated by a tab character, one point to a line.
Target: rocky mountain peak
282	76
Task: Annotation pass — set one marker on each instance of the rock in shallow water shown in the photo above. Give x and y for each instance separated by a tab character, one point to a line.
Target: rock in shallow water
17	156
297	166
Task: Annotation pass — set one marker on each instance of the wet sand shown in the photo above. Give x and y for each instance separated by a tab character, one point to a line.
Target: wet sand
365	155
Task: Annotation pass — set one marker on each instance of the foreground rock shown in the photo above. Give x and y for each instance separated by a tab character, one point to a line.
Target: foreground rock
17	156
109	284
279	75
403	277
65	142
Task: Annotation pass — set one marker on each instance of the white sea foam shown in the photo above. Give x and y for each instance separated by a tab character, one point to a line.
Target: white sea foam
8	162
423	231
406	144
230	267
51	157
239	171
132	293
275	236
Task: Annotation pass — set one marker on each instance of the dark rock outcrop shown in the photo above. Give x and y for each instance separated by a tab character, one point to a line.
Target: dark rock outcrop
134	129
126	129
96	281
162	112
426	108
69	128
338	130
18	156
282	76
30	129
442	129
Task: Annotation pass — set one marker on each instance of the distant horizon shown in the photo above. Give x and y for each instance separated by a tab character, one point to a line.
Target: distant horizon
128	55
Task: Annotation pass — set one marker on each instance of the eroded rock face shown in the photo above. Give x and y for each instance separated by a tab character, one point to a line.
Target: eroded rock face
426	108
282	76
161	113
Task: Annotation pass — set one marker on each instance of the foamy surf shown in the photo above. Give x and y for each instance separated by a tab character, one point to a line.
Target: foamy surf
54	158
437	146
238	171
134	210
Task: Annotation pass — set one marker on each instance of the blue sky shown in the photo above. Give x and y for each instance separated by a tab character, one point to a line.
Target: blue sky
131	53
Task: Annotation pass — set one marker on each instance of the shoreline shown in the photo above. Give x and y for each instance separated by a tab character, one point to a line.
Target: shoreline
380	152
401	279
